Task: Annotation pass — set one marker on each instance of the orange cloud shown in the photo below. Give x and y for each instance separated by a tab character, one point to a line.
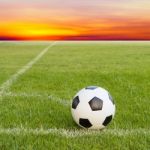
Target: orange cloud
78	19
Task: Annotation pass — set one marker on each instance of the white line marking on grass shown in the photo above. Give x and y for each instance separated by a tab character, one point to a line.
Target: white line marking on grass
42	96
6	85
72	133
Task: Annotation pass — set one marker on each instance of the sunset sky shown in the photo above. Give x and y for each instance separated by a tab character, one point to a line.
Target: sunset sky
74	19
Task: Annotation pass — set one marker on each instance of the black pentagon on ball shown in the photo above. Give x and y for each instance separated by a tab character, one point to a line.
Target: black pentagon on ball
85	123
96	104
110	97
75	102
107	120
91	87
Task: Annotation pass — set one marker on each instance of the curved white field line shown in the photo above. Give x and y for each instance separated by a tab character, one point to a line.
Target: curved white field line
42	96
74	132
6	85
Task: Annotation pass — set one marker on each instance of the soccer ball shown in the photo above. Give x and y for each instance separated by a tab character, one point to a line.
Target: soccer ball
93	108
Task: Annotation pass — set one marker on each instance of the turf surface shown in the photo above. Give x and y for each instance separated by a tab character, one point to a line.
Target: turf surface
40	98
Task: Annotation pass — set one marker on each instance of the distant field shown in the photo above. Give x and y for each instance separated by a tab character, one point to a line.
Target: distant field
39	79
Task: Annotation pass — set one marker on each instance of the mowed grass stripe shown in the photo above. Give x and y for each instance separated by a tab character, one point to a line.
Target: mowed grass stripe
74	133
5	86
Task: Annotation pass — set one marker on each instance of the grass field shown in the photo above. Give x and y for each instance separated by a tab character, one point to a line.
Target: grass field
39	79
